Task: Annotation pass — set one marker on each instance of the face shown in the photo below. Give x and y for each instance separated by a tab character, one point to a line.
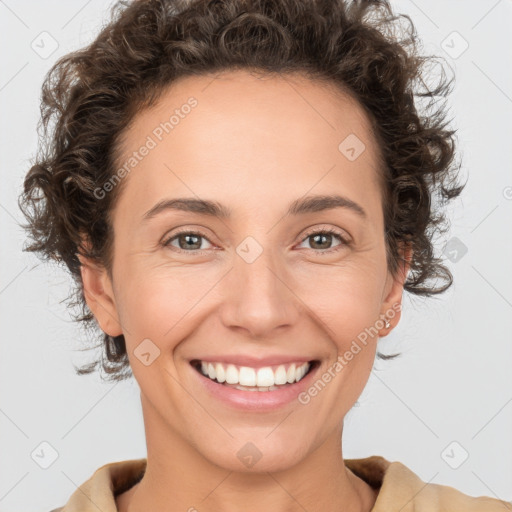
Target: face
278	276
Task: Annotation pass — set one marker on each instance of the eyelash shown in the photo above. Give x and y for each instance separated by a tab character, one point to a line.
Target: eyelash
327	231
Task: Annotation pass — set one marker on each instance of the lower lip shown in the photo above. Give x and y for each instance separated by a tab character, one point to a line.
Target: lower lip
256	400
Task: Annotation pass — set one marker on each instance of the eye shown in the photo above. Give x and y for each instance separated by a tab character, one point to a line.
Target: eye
191	241
188	241
324	237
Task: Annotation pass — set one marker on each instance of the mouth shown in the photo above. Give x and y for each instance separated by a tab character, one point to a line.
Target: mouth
263	379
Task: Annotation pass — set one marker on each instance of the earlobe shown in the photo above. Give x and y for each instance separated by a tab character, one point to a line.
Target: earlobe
99	295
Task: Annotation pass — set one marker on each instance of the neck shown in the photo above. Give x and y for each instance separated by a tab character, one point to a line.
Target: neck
178	478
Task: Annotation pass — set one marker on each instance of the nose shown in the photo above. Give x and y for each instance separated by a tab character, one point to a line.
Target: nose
259	299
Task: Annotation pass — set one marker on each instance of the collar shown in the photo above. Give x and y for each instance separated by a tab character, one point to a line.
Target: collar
399	489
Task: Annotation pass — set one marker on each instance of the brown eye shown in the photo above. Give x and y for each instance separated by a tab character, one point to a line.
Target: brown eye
322	240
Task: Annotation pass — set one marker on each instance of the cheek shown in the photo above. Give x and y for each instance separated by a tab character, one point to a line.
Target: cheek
156	304
345	298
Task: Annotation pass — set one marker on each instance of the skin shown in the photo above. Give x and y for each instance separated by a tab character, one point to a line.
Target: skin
254	145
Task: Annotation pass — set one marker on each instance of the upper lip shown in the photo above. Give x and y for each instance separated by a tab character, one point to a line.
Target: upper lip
252	361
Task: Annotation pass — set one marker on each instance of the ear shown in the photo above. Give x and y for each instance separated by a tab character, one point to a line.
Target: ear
99	295
392	305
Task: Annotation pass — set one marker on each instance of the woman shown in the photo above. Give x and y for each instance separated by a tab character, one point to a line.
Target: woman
242	190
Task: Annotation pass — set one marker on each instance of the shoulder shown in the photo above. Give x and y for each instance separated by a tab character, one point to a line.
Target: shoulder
100	490
400	488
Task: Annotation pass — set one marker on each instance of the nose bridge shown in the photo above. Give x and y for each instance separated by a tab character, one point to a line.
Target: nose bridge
257	270
259	298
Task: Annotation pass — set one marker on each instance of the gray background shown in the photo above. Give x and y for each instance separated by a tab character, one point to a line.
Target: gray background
449	396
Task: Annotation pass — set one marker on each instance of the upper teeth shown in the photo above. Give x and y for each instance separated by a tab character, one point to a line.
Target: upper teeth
246	376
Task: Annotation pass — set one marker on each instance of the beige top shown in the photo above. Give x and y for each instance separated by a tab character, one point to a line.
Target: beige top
400	489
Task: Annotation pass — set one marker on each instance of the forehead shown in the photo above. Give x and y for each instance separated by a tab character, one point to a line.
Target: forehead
239	96
249	131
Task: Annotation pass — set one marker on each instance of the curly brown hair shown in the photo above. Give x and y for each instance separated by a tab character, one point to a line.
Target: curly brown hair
90	96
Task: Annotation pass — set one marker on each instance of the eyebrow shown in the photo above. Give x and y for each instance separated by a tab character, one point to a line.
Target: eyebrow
305	205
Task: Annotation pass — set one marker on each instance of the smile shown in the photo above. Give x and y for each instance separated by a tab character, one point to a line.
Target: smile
267	378
254	389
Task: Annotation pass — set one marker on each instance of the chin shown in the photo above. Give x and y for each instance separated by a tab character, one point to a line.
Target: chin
257	454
